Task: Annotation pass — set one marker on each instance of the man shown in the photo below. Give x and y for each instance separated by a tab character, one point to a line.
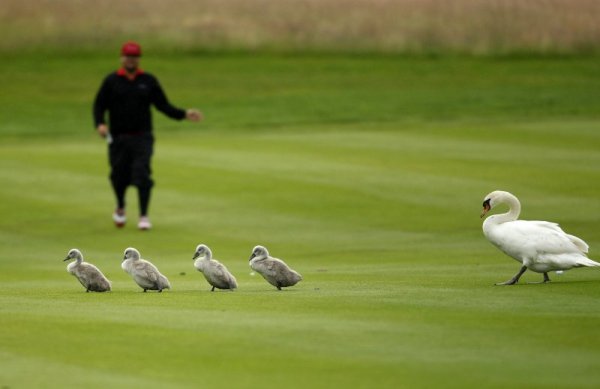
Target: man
127	95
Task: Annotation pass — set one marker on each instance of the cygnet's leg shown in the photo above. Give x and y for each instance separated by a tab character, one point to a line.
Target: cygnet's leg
160	290
515	279
213	289
145	290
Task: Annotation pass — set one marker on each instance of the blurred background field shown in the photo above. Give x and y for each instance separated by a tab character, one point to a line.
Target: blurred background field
356	140
420	26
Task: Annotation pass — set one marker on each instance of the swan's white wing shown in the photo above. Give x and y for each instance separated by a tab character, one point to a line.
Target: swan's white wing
583	247
533	238
579	243
559	238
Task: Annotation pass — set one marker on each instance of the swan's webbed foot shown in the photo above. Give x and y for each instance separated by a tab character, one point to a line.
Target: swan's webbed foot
515	279
512	281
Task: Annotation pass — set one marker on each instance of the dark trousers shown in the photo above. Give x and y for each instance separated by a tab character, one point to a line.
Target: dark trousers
129	157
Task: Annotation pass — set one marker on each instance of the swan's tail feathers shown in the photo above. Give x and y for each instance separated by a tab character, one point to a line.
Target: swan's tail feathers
581	245
583	261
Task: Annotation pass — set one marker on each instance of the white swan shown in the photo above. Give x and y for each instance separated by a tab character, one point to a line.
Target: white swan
144	273
274	270
88	275
539	245
215	272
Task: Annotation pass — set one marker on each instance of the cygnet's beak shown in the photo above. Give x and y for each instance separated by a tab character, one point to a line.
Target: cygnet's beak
66	259
252	256
124	257
196	255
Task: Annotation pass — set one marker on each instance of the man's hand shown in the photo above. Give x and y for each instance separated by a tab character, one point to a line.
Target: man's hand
193	115
102	130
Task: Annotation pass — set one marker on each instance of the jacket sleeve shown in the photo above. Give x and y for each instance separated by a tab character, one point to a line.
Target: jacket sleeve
101	103
160	101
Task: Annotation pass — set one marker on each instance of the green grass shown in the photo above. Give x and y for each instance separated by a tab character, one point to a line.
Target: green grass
365	173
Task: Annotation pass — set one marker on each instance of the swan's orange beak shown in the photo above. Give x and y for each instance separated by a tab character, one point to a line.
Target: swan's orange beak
486	208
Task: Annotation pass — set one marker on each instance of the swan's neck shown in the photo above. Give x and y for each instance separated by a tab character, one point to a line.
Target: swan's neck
514	210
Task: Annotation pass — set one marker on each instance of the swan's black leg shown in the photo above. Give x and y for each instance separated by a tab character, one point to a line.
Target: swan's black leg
546	279
515	279
213	289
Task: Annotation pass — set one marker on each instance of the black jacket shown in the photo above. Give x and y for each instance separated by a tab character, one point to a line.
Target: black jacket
128	103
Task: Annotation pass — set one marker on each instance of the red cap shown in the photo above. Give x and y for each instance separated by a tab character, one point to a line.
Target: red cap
131	49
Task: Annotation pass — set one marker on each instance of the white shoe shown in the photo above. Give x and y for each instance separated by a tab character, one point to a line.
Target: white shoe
144	223
119	217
